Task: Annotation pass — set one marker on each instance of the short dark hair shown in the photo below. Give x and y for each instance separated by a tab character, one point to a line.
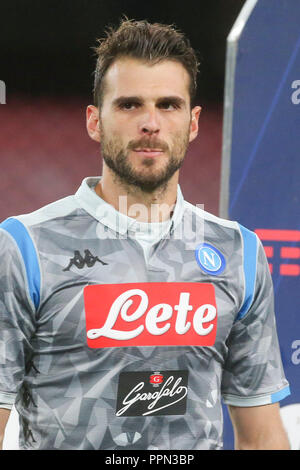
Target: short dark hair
151	42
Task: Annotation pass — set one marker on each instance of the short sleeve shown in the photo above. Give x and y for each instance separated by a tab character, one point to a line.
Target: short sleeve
253	374
17	306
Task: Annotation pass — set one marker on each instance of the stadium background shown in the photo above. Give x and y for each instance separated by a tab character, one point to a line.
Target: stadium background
47	64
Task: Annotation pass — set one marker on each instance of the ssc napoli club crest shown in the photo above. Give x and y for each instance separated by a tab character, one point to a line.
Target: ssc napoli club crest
210	259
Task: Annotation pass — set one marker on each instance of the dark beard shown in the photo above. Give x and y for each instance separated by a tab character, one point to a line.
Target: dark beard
126	173
119	165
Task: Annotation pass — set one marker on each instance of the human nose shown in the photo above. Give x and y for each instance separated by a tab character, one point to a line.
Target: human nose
149	123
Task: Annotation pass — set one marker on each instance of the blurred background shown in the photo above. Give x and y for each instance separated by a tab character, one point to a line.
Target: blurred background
47	64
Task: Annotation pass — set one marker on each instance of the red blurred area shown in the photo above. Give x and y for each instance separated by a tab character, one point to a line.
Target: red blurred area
45	152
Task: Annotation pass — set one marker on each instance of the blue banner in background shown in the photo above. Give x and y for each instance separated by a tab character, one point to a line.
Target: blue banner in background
261	165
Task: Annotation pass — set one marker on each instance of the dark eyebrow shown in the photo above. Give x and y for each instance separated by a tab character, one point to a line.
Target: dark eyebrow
172	99
139	99
125	99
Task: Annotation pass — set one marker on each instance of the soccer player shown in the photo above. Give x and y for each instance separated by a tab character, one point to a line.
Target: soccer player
128	314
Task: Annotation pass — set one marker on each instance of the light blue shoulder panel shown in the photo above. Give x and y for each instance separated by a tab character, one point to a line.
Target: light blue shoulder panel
27	249
250	266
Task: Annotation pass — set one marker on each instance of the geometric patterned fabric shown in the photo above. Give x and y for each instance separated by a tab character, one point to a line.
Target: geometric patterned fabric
208	311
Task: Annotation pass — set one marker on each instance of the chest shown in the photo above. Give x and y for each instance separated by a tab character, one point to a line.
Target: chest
109	296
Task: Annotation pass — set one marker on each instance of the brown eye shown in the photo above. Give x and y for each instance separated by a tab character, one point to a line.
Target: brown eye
128	105
168	105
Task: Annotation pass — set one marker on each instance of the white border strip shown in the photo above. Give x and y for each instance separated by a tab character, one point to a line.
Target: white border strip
257	400
231	55
7	398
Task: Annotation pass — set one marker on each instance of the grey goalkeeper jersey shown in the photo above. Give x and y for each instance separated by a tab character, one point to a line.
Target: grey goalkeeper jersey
102	348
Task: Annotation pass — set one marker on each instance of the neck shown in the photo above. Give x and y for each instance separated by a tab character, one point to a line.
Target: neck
130	200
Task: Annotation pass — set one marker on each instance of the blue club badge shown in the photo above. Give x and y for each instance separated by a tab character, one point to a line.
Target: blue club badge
210	259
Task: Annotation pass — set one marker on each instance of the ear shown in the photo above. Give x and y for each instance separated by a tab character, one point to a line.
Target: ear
92	122
194	123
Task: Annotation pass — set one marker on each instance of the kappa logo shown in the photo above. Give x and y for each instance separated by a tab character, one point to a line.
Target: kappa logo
210	259
80	262
119	315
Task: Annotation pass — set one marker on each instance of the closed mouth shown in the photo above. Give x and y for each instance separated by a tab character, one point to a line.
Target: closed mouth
147	150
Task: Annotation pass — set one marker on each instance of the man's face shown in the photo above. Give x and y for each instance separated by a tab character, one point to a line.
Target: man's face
145	121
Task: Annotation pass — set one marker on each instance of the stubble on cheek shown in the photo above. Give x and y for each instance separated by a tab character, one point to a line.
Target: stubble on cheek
116	156
110	147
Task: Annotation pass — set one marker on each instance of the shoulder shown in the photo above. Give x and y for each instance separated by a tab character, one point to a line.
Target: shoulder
238	245
20	236
210	218
22	226
60	208
220	225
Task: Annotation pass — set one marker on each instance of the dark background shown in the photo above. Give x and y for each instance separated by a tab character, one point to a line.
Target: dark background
46	44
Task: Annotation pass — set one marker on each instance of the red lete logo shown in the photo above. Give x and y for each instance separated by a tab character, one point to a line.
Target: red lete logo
150	314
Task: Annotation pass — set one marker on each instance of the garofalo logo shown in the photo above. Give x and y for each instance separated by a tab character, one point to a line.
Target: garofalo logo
2	92
138	396
150	314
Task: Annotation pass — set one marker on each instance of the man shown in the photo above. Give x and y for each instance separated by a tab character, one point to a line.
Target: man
126	312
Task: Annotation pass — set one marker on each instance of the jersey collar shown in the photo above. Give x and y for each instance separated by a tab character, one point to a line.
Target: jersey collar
110	217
